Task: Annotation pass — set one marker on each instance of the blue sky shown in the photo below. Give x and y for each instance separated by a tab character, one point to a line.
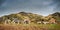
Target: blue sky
43	7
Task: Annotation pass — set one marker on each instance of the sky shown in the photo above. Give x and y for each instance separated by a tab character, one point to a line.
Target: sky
42	7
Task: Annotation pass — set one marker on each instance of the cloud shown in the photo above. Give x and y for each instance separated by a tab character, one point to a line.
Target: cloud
1	2
43	7
58	5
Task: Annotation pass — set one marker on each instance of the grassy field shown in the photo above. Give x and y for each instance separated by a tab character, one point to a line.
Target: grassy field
30	27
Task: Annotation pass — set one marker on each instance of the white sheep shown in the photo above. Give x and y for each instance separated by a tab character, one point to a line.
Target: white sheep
45	22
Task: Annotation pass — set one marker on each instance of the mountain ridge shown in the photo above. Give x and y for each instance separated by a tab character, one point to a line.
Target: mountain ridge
30	16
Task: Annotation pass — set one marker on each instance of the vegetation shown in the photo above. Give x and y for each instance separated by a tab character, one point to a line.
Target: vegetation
21	16
32	19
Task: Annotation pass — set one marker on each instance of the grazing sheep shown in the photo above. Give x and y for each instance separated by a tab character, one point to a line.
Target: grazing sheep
45	22
39	22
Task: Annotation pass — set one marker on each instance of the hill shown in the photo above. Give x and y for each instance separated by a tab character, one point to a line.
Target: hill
21	16
34	18
55	15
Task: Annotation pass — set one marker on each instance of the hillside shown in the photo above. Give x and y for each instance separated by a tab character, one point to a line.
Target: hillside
30	21
55	15
21	16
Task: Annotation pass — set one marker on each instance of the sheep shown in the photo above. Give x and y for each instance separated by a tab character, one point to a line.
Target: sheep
45	22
